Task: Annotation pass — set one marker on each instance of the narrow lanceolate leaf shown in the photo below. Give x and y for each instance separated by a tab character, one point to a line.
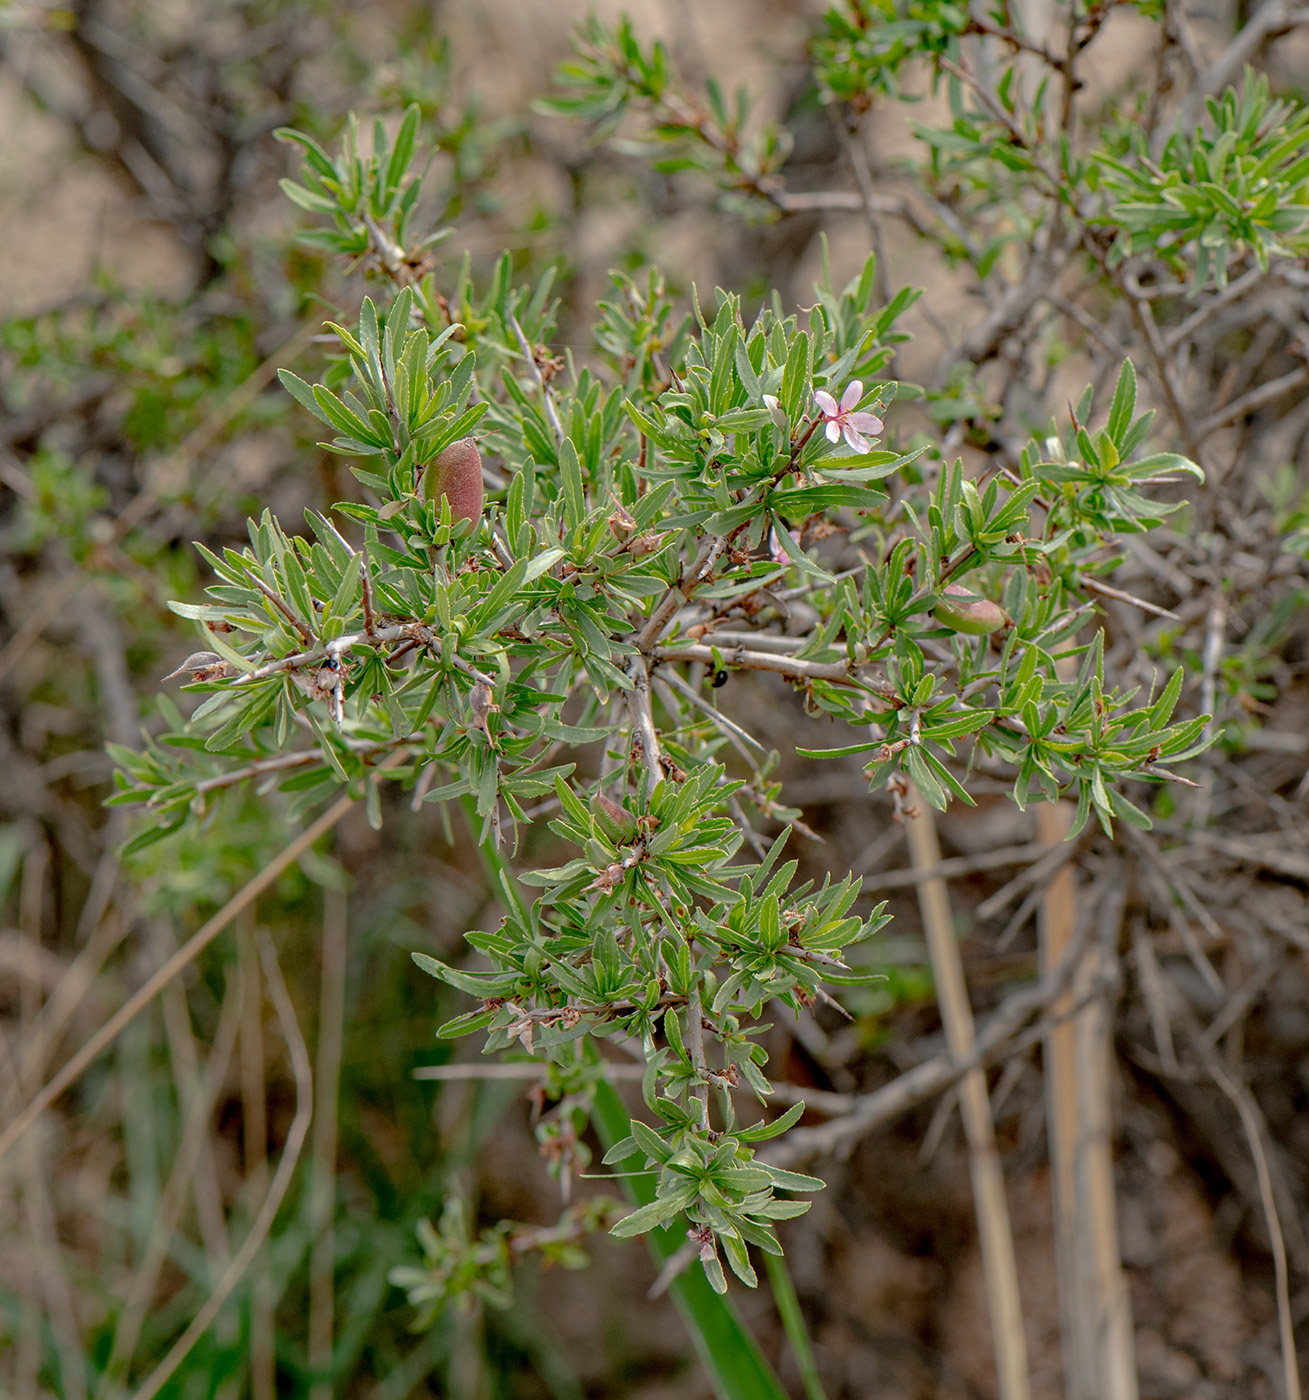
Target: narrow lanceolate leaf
1124	404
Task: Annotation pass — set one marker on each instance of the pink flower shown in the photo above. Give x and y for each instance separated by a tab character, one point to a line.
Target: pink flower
775	550
842	420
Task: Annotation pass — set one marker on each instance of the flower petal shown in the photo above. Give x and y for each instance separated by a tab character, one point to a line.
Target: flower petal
854	391
833	430
855	439
826	403
868	423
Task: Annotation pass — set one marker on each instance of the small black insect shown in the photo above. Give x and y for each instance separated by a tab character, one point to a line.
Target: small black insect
720	679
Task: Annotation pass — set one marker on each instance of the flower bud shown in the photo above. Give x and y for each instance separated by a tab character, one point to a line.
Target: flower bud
776	412
204	666
456	474
482	702
963	611
616	822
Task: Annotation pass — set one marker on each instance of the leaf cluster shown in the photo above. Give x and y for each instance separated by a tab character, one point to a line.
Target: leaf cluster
1236	186
655	514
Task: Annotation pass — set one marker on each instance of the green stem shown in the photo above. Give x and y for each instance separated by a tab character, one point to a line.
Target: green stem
788	1309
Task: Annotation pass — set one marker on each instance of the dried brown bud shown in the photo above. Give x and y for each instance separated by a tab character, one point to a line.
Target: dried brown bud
203	666
481	701
963	611
621	522
456	474
651	542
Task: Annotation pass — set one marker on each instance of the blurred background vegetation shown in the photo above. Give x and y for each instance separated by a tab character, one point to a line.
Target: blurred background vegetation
149	288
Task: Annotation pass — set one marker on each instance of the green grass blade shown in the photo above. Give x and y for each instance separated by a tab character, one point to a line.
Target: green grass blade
788	1308
729	1353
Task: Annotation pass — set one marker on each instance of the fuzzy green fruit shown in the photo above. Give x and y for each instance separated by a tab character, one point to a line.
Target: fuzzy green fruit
616	822
963	611
456	474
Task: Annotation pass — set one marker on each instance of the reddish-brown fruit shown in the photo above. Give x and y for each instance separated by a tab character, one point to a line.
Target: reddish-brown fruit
457	475
964	611
616	822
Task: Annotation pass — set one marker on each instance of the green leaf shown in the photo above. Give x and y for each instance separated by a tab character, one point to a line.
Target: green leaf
403	149
795	379
302	393
843	752
761	1132
793	1181
1124	404
307	199
657	1212
570	469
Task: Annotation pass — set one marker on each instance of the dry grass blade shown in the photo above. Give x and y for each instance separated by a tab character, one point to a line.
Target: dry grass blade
46	1291
331	1029
204	1179
76	982
1094	1306
295	1138
1240	1100
996	1238
254	1136
173	1197
959	865
196	944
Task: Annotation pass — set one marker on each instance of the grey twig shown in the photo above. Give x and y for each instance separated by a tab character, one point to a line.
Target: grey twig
677	596
792	667
956	866
994	1041
1233	291
1256	398
638	706
556	427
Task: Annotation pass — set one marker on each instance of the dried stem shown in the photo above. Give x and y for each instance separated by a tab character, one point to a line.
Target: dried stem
643	726
1240	1100
281	1182
254	1138
552	413
331	1035
185	955
677	596
996	1237
173	1197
